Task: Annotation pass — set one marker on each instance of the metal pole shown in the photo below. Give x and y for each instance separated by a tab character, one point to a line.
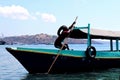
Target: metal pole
89	39
117	44
111	44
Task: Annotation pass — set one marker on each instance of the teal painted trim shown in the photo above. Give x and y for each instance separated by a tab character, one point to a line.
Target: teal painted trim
89	40
108	54
117	44
88	36
73	53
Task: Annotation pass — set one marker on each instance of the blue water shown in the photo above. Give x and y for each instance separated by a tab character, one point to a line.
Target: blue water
11	69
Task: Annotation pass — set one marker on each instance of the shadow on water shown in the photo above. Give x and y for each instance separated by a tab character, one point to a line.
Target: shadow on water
111	74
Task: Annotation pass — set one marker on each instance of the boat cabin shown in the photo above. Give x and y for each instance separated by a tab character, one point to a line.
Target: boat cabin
87	33
38	60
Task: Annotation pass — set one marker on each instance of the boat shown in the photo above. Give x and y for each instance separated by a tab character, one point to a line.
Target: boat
2	42
38	60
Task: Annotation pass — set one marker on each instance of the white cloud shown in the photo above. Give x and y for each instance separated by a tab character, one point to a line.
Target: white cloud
15	12
48	17
21	13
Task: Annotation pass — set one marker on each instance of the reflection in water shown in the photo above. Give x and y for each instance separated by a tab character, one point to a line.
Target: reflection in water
111	74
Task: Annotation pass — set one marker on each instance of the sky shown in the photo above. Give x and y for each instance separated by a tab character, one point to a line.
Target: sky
30	17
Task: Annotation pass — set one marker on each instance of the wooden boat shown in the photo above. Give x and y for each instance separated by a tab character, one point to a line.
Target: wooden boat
37	60
2	42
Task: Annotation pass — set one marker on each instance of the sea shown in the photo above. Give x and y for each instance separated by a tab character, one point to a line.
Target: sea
11	69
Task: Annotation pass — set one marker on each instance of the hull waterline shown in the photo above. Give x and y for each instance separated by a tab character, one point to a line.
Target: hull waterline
38	62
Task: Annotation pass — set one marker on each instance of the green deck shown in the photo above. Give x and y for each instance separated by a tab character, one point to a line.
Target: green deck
73	53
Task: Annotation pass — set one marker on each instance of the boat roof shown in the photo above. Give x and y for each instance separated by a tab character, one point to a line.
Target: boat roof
95	34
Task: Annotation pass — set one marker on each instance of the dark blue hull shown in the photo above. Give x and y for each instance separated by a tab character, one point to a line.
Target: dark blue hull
37	62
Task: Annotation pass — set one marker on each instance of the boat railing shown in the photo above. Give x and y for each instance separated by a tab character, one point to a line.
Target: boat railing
89	38
88	33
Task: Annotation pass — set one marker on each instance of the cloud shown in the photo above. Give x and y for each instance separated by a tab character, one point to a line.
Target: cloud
15	12
47	17
21	13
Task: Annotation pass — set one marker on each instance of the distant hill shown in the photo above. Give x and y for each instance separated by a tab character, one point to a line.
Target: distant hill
39	39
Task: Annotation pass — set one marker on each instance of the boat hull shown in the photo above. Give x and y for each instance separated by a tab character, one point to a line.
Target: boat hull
2	42
38	62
